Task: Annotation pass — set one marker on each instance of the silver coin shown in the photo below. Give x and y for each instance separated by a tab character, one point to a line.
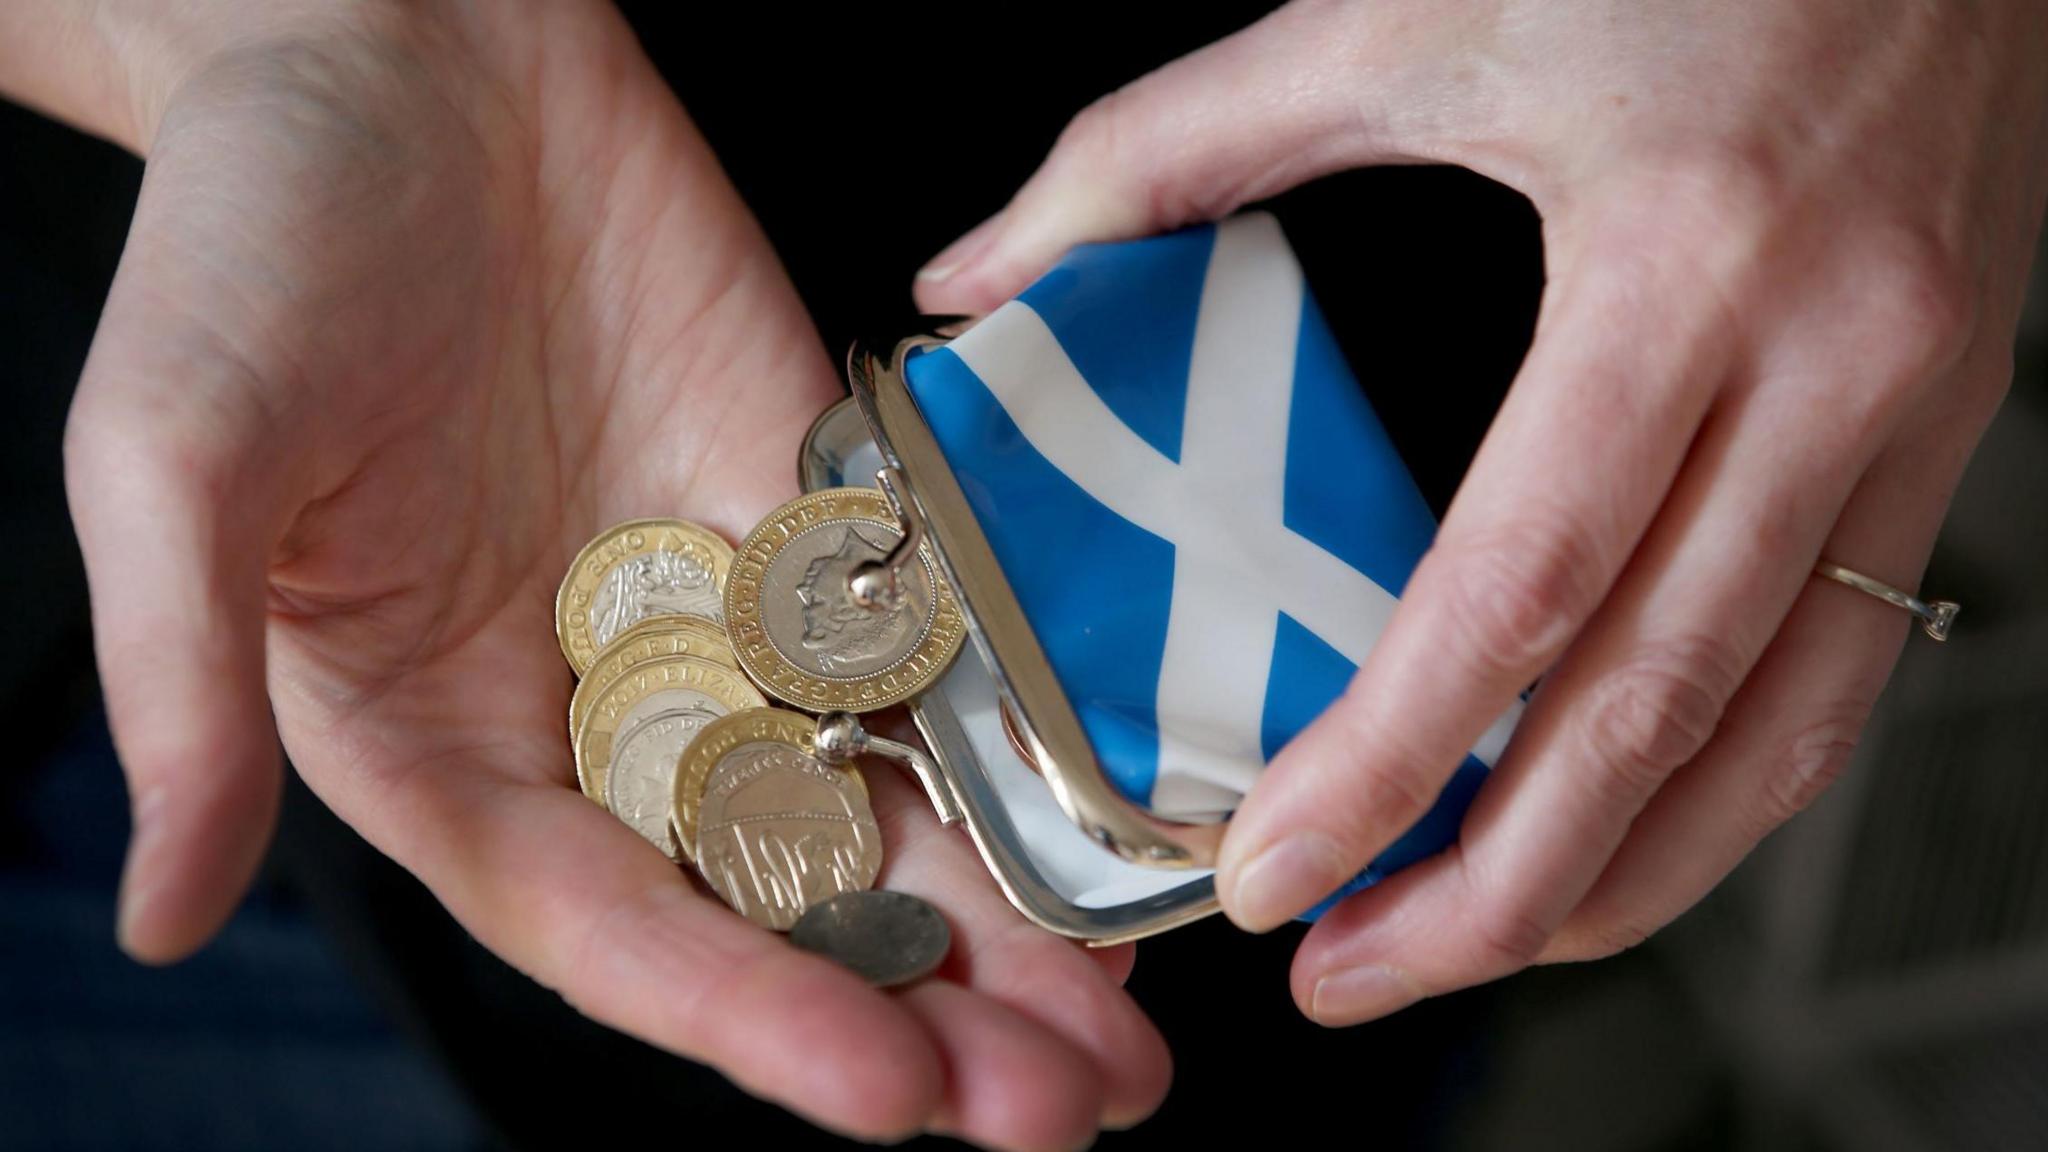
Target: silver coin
778	832
640	781
809	614
651	584
887	938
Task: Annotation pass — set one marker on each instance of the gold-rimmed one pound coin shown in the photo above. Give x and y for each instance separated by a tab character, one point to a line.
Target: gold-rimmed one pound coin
627	749
773	830
795	626
651	639
634	571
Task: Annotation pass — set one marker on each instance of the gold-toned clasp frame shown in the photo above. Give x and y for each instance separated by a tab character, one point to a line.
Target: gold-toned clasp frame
1044	720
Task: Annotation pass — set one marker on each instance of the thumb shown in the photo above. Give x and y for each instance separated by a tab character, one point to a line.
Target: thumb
1313	88
174	511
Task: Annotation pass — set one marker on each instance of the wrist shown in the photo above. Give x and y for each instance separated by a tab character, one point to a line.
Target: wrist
110	67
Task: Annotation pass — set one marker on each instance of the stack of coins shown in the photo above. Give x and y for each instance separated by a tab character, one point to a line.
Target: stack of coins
640	619
676	637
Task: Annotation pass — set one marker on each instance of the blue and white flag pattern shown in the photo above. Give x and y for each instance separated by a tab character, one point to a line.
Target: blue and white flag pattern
1198	510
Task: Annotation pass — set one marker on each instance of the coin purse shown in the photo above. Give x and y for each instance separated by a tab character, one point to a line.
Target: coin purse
1174	526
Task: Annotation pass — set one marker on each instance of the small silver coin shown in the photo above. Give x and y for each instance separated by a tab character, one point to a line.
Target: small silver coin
640	785
888	938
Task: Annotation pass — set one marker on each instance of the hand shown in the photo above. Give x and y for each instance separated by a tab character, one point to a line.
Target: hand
412	307
1786	245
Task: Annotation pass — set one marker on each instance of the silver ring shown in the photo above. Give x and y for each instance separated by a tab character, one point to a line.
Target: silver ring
1935	617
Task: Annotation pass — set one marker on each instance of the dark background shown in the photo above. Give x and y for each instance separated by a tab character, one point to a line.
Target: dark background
1876	978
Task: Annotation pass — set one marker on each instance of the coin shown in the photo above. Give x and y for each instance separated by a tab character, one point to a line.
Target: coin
627	750
887	938
793	622
773	830
777	831
710	630
635	570
700	757
652	638
1017	744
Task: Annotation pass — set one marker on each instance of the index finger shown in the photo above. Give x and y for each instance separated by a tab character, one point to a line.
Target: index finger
1569	476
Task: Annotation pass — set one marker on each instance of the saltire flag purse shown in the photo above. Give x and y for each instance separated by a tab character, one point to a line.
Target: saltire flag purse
1175	527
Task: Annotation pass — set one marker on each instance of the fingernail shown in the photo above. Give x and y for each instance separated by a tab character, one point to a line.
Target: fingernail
1355	995
959	253
1289	876
139	877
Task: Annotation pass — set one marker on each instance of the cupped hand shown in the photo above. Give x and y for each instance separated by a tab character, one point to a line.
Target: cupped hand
1786	243
415	302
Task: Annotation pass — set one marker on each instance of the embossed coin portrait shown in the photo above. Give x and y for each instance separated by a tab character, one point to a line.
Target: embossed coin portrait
839	637
653	584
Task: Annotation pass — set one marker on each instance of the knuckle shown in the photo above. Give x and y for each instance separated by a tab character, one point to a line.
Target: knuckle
199	442
1811	761
1656	712
1604	940
168	457
1722	187
1094	137
1385	775
625	917
1515	596
101	431
1505	937
1781	523
1114	146
1916	301
84	450
1397	785
640	925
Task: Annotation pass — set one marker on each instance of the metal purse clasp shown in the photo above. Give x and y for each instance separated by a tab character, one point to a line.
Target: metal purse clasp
876	585
898	449
841	739
1044	717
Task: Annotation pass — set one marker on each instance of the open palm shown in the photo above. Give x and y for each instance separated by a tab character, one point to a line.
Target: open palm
409	311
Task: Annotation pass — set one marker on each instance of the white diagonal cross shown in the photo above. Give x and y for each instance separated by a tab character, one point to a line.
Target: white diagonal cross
1236	563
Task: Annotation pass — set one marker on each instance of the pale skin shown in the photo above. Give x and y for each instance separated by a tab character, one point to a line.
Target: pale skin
1785	244
418	298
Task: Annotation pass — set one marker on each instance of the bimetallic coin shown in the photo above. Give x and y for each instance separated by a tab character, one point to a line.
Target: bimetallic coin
710	629
627	750
793	622
887	938
634	571
658	636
